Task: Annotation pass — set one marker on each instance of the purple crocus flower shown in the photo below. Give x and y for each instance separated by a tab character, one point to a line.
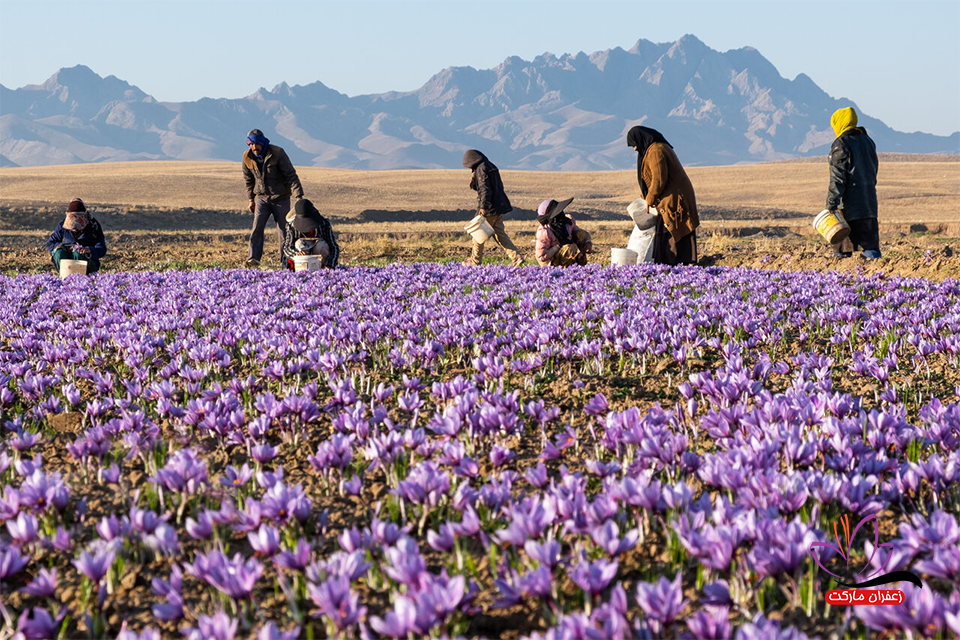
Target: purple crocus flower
662	602
710	623
232	576
537	476
234	478
442	540
399	622
296	560
148	633
270	631
202	527
266	541
172	609
546	553
338	602
38	624
44	585
405	563
219	626
263	452
95	566
184	473
283	504
24	529
593	577
922	612
608	538
500	456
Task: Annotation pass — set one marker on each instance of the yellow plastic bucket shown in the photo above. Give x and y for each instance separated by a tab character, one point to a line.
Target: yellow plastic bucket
831	225
479	229
70	267
306	263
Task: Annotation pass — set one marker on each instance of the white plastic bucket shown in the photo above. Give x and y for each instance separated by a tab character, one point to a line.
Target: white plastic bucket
306	263
643	217
479	229
620	257
69	267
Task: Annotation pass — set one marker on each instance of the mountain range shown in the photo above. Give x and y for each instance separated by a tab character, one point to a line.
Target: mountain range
551	113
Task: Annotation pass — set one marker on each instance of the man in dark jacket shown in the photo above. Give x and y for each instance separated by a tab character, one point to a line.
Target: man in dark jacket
78	237
271	180
492	204
853	185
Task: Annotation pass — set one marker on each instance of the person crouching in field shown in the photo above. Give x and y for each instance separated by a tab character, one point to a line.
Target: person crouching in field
78	237
665	185
492	204
560	242
853	185
309	234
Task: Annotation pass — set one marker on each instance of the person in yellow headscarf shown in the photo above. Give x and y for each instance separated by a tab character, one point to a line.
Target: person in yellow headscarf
853	185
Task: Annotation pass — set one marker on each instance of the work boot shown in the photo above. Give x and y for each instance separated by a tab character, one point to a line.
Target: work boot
871	254
252	264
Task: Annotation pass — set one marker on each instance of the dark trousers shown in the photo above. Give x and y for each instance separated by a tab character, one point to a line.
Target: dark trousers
93	264
668	251
262	210
864	234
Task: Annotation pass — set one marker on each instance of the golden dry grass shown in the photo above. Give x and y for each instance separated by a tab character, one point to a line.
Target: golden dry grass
909	191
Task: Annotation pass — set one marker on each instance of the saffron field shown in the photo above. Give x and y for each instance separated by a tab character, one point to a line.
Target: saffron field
428	450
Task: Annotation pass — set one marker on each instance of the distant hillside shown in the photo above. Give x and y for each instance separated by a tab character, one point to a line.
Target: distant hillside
567	113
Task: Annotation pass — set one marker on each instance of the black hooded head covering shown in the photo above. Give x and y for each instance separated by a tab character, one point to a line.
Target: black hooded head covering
642	138
307	217
471	158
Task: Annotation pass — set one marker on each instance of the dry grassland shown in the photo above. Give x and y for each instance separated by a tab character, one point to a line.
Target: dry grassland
194	213
927	192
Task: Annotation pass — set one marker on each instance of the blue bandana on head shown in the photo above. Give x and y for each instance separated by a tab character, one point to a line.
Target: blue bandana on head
258	139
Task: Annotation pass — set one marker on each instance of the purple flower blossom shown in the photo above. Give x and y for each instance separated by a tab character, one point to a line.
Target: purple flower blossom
234	577
662	602
219	626
593	577
95	566
270	631
337	602
398	622
38	624
44	585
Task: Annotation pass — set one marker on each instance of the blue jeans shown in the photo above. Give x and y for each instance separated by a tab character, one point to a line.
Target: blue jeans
93	264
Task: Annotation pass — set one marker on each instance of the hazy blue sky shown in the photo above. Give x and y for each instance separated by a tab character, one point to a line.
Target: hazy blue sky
899	61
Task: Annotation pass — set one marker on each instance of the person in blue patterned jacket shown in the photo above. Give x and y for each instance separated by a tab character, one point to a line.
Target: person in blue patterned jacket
78	237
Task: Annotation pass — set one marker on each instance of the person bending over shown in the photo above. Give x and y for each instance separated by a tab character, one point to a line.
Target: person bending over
492	204
309	234
78	237
560	242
